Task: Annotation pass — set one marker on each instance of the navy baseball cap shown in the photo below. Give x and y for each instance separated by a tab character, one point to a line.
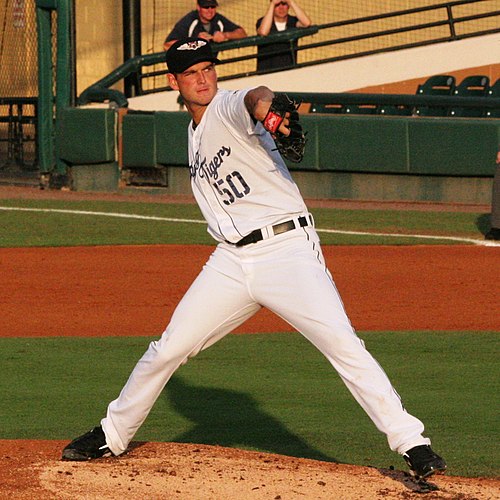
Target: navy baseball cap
208	3
189	51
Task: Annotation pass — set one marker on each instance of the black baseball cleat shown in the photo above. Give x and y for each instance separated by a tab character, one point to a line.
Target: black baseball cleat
423	462
91	445
493	234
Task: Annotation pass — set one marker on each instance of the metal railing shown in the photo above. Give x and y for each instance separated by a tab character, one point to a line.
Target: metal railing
375	102
230	66
18	130
101	91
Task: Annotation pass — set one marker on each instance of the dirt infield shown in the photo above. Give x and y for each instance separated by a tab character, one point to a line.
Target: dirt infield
132	290
31	470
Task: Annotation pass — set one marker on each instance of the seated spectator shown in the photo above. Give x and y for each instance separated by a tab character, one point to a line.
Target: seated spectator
278	19
205	22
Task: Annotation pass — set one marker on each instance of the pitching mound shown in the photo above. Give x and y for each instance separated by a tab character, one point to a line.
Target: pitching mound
32	469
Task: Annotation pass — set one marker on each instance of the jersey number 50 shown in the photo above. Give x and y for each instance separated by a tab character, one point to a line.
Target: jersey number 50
228	188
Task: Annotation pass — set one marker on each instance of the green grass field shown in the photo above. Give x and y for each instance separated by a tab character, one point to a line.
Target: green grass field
273	393
48	228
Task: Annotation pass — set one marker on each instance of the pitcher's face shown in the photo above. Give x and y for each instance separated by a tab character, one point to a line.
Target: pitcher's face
197	85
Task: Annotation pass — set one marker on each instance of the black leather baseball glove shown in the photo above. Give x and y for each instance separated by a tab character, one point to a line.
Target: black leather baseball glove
290	146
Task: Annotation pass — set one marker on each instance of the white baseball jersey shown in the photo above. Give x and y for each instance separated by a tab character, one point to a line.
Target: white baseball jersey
239	180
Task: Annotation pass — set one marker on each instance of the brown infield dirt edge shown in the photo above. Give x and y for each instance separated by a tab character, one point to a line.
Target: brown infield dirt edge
32	470
443	288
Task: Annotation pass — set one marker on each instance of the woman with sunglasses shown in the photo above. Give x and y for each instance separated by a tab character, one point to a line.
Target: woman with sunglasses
205	22
279	55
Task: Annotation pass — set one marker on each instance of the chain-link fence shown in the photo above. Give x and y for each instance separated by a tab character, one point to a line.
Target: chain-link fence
18	84
159	16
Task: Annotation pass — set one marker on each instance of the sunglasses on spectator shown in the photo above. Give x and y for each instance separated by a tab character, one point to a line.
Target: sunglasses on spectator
209	7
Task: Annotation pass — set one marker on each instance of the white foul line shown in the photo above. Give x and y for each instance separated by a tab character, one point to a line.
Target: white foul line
421	236
196	221
105	214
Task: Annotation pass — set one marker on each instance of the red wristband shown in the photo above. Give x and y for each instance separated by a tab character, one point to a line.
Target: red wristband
272	122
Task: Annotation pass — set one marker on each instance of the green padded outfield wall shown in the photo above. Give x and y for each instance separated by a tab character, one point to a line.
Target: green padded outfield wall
401	145
86	143
150	139
374	157
171	137
355	143
453	146
86	136
138	140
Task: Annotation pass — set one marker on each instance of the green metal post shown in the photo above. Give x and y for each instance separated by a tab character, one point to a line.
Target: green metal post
50	106
63	66
45	93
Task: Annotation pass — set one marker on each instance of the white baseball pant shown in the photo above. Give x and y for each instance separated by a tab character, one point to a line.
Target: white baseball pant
286	274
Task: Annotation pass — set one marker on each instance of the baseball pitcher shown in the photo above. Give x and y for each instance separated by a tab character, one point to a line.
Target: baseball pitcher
268	254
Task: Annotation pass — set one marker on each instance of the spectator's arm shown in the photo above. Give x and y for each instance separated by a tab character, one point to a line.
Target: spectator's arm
304	21
267	20
223	36
168	44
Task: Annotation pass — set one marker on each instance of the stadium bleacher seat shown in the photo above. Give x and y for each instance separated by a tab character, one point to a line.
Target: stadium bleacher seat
471	86
325	108
389	110
435	85
493	91
359	109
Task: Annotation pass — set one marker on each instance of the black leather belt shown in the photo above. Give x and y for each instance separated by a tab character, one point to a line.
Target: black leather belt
283	227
